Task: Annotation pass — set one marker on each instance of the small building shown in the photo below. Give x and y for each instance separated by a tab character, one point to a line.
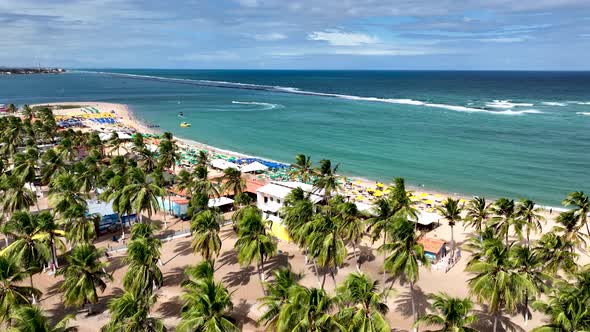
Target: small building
434	249
175	205
109	219
271	197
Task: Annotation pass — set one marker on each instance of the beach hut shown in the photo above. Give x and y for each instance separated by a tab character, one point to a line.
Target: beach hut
221	202
176	205
427	218
108	218
223	164
254	167
434	249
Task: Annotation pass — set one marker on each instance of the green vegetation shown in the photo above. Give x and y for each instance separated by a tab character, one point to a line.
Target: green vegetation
511	270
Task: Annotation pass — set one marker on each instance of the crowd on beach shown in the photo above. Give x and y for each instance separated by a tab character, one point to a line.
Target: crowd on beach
56	158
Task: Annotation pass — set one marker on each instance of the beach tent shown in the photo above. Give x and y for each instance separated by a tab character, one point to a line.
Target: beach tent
254	167
427	218
223	164
123	135
221	201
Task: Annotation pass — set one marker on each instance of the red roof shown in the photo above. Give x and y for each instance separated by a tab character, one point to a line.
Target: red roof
179	200
431	245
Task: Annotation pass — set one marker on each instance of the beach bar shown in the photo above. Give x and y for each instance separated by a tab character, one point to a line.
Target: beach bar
108	217
175	205
434	249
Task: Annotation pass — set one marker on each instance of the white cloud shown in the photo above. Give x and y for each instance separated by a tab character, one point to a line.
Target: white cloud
339	38
274	36
503	40
211	56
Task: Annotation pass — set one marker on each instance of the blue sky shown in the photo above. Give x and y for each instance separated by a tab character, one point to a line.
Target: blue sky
297	34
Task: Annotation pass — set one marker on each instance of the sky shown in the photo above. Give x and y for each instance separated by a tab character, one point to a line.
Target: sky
297	34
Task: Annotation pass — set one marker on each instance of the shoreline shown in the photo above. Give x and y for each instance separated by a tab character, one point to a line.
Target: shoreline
128	118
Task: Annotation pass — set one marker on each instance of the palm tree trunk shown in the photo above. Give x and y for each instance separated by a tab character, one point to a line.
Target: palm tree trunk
53	254
36	201
357	257
122	226
495	322
452	243
383	276
315	266
413	304
260	273
333	277
323	281
31	280
526	308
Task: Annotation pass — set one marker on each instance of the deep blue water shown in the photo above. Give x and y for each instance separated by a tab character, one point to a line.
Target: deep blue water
515	134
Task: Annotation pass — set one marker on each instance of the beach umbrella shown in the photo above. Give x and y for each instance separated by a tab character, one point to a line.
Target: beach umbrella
370	190
358	182
429	201
359	198
379	185
378	193
423	195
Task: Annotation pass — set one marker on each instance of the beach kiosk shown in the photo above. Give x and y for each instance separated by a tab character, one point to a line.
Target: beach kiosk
434	249
109	219
175	205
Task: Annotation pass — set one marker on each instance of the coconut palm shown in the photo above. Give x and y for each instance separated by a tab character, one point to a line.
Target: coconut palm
582	204
277	295
254	244
52	235
16	196
142	193
451	211
352	226
51	163
505	210
498	283
64	192
13	293
382	223
401	201
29	245
529	213
453	314
326	244
168	151
113	192
365	304
33	319
84	275
556	252
115	142
478	213
327	179
232	181
205	227
567	308
297	212
302	168
207	308
143	275
196	274
308	309
78	226
202	158
531	267
26	164
131	313
405	255
479	244
567	226
202	184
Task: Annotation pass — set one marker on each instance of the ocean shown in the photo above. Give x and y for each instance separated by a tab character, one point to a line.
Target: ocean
490	133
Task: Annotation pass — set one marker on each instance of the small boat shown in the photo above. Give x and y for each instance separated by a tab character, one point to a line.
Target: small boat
181	115
185	124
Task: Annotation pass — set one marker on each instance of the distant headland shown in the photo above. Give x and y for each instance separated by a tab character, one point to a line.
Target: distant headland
27	71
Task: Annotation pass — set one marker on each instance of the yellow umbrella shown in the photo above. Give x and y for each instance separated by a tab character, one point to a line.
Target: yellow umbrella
359	198
461	200
423	195
378	193
358	182
429	201
437	196
379	185
370	190
280	232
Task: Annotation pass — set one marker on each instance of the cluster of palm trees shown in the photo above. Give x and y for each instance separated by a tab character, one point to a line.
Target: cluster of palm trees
510	271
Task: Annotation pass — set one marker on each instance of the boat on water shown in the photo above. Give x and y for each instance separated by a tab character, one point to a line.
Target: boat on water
185	124
181	115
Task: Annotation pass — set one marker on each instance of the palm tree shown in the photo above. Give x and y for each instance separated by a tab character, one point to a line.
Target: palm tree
203	158
308	309
365	304
401	201
202	184
567	309
582	203
326	244
197	274
114	193
114	142
205	227
453	314
277	295
504	210
79	227
353	228
207	308
51	234
168	151
142	193
232	181
131	313
498	283
556	252
64	192
327	179
381	224
567	226
29	247
405	255
477	214
12	293
531	267
33	319
16	196
254	244
451	211
143	275
527	211
302	168
83	276
51	163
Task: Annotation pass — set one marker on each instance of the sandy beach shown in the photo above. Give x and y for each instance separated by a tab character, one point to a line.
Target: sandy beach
243	281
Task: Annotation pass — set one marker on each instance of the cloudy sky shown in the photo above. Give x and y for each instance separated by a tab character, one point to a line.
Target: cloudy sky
297	34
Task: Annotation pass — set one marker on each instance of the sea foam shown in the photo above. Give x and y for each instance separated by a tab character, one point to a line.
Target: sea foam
553	103
266	106
506	104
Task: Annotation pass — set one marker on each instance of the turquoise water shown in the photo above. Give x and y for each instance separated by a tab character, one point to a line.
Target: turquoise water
442	130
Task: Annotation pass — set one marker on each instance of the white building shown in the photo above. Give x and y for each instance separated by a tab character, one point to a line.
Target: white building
271	197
